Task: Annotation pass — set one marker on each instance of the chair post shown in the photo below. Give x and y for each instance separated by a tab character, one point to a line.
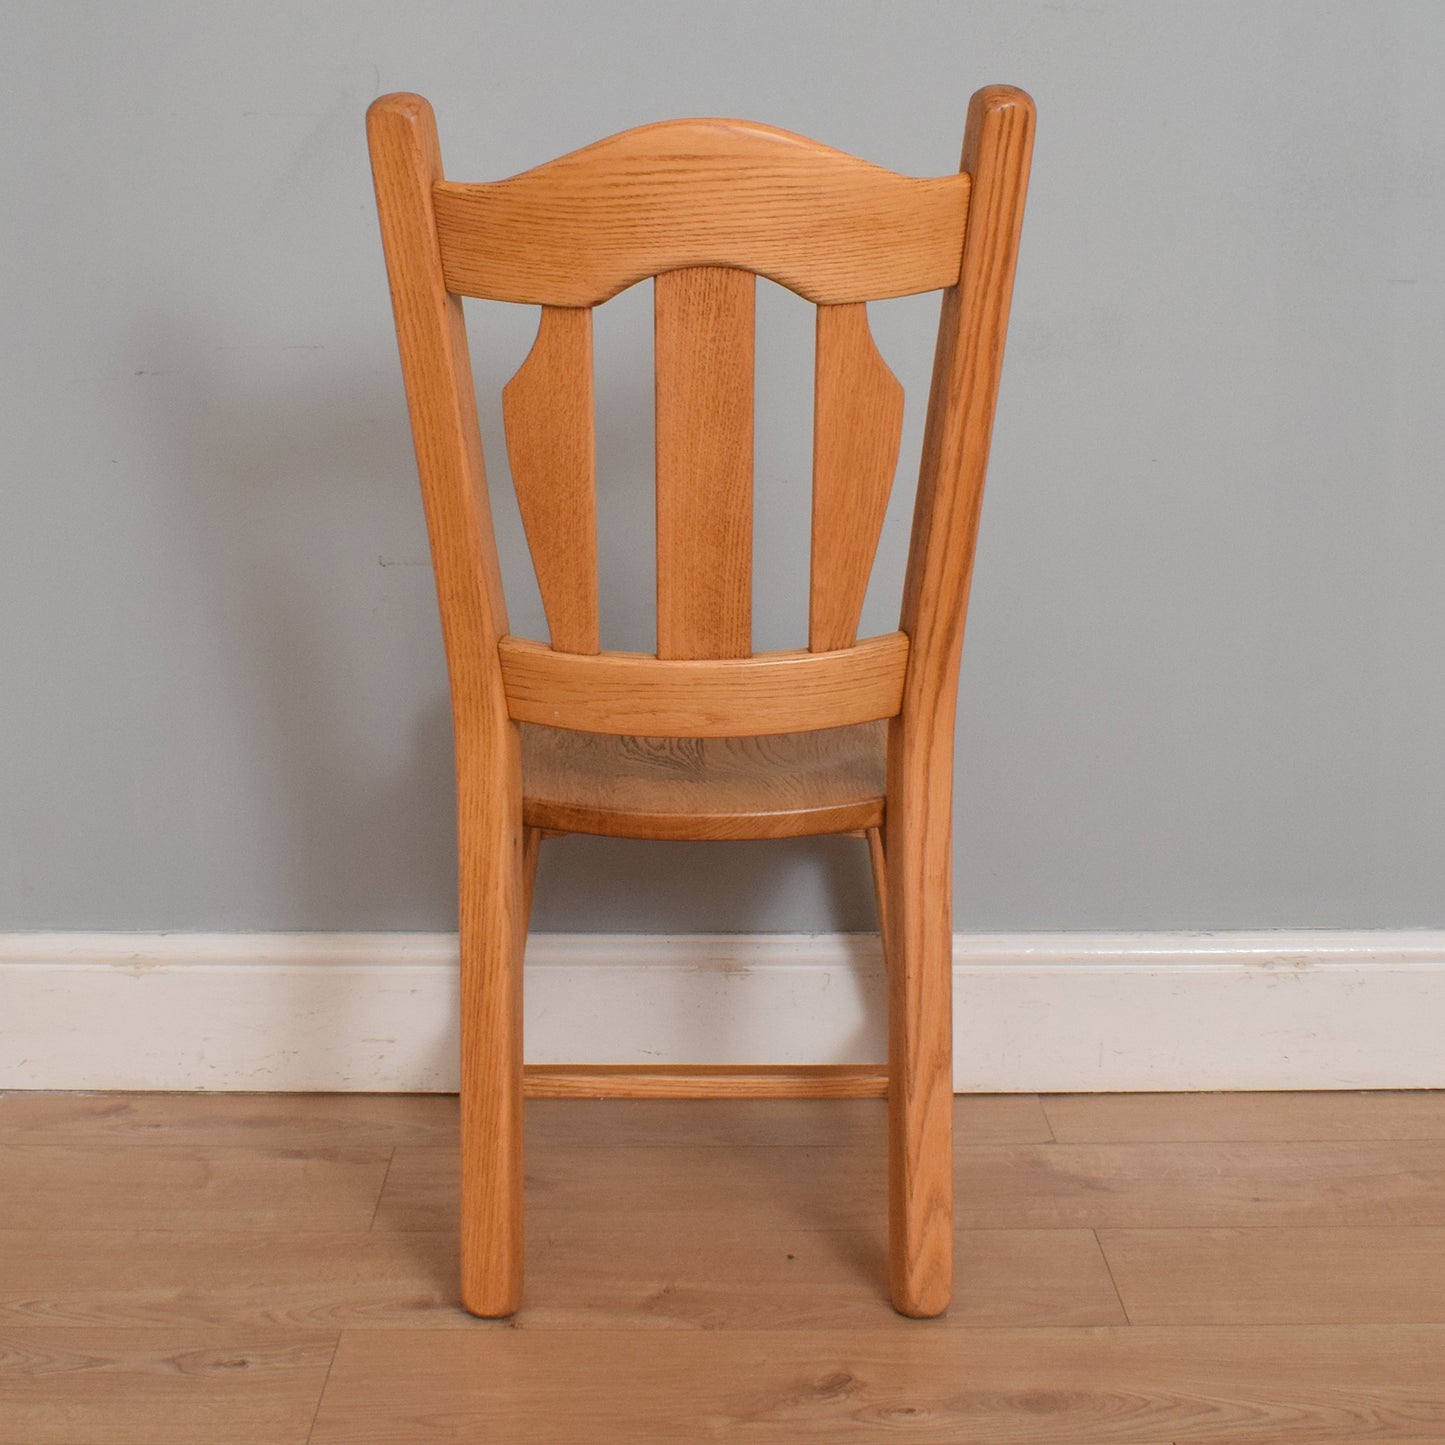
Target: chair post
917	922
493	888
998	143
406	164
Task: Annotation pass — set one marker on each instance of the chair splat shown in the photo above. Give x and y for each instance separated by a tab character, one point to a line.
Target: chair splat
704	364
857	426
547	409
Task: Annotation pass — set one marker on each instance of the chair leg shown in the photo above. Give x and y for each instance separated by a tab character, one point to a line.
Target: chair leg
493	928
531	851
919	942
880	889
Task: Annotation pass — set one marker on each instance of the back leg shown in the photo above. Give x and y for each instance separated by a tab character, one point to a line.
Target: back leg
918	939
494	888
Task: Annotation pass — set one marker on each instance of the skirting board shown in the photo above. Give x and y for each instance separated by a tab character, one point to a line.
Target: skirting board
1033	1012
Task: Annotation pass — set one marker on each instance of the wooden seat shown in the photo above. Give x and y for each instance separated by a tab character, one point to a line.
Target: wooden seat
705	739
786	785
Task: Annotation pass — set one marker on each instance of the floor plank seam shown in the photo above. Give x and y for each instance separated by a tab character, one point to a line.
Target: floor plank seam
1048	1121
381	1193
321	1394
1109	1270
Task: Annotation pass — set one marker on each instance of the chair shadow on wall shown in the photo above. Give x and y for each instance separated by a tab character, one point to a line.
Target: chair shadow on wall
265	456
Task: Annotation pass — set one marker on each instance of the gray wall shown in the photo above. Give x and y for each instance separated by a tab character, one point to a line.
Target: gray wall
1204	680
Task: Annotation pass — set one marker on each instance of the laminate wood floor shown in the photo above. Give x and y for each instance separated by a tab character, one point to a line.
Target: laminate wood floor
1132	1270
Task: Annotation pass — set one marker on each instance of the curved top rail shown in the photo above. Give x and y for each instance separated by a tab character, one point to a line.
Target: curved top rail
708	192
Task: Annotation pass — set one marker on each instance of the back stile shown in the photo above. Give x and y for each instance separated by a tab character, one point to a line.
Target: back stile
436	366
703	346
966	370
857	425
547	408
918	813
406	162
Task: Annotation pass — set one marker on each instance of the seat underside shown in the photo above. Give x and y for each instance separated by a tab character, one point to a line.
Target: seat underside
784	786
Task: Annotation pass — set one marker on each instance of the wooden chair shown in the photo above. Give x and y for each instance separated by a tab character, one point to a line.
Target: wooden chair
706	739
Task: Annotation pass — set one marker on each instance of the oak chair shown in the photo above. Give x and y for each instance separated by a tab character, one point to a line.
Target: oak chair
706	739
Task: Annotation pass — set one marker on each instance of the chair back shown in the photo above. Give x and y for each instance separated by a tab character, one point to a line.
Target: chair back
703	207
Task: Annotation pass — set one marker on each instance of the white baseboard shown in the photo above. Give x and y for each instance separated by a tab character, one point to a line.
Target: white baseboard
1033	1012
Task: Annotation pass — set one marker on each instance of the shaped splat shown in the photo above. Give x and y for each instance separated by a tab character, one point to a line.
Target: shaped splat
857	424
547	408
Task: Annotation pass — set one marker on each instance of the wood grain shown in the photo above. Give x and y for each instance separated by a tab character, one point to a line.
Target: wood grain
773	692
695	193
77	1386
918	814
492	916
441	397
685	1283
227	1278
857	425
548	415
718	1190
586	1276
1064	1186
288	1122
1059	1186
706	1081
294	1122
1049	1187
1138	1386
631	1279
72	1186
1279	1276
781	786
878	871
1181	1118
406	164
772	1123
531	857
703	353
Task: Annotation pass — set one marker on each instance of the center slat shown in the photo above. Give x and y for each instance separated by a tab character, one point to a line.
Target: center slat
704	366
